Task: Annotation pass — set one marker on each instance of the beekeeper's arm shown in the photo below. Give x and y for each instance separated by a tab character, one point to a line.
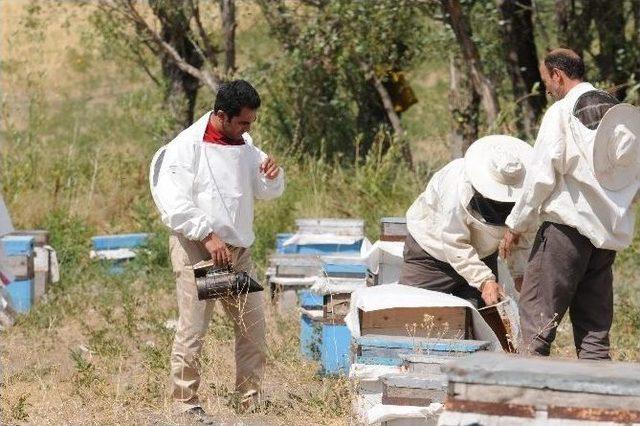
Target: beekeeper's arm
174	193
269	177
461	255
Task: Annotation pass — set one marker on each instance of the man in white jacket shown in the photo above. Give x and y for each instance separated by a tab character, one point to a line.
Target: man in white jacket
581	185
204	183
456	225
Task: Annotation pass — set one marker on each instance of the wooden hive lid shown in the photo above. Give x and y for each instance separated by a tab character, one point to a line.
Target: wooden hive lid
600	377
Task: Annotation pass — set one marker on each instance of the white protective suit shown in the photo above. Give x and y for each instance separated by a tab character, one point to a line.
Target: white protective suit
202	188
561	187
442	223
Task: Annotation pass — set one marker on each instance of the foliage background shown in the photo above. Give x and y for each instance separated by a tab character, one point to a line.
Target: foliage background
79	125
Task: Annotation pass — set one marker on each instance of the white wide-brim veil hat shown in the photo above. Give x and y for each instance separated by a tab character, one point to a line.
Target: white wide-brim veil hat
616	148
496	166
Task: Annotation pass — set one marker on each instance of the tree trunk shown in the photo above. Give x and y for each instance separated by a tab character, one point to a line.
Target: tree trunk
228	12
462	29
573	19
610	26
464	105
181	88
522	61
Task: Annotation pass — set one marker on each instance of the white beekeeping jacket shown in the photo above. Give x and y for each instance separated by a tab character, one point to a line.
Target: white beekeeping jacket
200	187
442	223
561	187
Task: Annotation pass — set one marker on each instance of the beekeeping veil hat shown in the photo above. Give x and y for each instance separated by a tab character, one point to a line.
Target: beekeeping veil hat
496	166
616	148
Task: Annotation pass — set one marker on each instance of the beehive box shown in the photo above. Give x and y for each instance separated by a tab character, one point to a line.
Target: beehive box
443	322
41	261
388	350
496	389
18	250
393	229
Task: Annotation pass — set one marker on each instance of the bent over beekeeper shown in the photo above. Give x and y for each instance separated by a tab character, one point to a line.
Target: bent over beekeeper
456	225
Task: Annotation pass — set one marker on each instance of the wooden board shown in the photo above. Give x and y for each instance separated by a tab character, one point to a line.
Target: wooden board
442	322
490	368
336	306
40	236
541	397
402	389
423	363
21	267
393	229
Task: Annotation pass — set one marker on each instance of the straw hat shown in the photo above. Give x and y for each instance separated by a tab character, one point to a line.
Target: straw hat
496	166
616	148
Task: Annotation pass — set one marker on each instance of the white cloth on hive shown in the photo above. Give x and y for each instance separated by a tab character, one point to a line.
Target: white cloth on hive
334	285
389	249
381	413
302	239
390	296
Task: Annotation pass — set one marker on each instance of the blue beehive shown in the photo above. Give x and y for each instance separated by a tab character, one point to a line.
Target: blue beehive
336	344
20	291
309	300
387	350
329	248
106	243
310	334
344	270
281	248
114	242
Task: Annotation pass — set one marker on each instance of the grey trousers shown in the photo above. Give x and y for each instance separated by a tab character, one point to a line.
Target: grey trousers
422	270
566	271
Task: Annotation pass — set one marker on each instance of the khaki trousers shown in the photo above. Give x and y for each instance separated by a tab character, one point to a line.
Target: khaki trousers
194	316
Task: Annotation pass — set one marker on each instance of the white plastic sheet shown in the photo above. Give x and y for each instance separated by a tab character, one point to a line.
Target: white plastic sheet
381	413
402	296
293	281
324	238
372	255
332	285
115	254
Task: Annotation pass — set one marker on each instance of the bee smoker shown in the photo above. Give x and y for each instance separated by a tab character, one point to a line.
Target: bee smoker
214	282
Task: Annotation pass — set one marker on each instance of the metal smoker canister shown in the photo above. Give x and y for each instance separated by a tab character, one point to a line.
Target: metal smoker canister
212	282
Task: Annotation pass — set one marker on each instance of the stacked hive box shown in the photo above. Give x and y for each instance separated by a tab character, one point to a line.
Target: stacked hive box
18	250
42	261
340	280
299	256
116	250
393	231
499	389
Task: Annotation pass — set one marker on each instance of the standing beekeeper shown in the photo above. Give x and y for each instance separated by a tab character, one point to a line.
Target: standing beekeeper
584	176
204	183
456	225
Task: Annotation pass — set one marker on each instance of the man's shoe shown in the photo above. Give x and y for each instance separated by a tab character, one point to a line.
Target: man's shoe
197	415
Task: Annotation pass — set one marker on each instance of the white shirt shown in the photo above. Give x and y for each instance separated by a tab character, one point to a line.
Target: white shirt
202	187
442	223
561	186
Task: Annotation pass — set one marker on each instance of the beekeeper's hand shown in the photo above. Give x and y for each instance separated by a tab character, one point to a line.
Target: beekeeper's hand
508	241
270	168
218	250
491	292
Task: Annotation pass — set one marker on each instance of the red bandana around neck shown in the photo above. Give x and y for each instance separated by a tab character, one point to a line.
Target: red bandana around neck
212	135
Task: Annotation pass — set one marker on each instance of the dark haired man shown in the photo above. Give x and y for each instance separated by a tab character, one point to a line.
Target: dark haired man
204	183
581	184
